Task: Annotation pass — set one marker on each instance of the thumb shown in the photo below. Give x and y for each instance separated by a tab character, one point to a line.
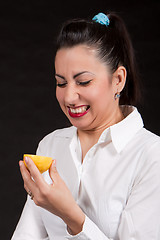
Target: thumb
53	171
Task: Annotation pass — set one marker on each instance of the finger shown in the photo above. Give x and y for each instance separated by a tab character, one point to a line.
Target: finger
35	173
29	184
20	164
53	171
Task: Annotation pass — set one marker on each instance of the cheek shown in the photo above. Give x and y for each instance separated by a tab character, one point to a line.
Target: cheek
102	94
59	96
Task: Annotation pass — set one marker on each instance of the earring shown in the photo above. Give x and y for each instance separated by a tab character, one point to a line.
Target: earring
117	95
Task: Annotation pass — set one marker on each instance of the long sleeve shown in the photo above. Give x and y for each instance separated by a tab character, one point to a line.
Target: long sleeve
30	225
117	186
90	232
140	218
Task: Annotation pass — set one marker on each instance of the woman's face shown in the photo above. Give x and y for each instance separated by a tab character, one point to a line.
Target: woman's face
85	88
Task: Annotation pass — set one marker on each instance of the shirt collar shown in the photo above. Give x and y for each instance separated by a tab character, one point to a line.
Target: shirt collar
121	133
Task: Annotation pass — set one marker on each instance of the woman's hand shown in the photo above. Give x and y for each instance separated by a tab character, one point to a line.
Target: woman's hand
55	197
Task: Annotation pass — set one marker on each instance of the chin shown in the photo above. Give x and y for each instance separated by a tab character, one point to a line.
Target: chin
81	123
82	127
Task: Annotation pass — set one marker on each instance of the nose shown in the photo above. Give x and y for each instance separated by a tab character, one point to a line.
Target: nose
71	95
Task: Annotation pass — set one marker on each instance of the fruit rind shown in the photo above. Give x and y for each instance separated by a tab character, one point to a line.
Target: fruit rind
43	163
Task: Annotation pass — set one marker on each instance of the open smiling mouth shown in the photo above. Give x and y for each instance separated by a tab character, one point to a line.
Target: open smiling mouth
78	111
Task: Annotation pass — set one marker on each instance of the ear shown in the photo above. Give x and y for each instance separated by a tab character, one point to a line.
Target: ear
119	78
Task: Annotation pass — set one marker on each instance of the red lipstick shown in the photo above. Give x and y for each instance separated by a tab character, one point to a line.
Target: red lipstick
77	115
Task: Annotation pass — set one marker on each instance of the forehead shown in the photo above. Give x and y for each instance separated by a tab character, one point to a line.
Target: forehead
78	50
81	56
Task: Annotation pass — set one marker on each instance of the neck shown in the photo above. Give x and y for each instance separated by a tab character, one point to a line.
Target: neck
88	138
94	133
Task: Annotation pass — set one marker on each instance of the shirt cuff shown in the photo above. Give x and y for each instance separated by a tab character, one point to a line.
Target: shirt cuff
90	231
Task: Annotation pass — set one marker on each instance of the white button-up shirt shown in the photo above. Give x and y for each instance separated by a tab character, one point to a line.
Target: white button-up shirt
117	186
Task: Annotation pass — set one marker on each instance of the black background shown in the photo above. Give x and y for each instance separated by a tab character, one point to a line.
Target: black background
29	109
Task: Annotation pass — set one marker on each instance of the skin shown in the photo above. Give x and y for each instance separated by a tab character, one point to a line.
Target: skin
98	94
74	67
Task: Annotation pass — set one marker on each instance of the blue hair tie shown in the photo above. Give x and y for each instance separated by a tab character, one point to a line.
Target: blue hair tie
101	18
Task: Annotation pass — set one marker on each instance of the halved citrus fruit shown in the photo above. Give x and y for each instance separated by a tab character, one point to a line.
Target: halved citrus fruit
42	163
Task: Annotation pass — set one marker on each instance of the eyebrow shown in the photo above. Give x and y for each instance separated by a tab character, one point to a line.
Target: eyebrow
76	75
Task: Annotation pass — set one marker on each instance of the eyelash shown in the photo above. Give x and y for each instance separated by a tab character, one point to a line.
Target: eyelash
79	83
84	83
61	84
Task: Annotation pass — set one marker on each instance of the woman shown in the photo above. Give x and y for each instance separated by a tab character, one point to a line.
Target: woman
105	181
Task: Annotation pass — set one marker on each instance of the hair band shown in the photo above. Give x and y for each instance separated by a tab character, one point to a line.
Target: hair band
101	18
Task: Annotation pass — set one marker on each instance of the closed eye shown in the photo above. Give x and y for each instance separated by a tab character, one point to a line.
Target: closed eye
84	83
61	85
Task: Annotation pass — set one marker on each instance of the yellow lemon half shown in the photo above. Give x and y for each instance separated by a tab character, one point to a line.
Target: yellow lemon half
42	163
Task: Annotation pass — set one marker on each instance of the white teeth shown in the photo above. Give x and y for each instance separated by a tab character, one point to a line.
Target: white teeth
78	110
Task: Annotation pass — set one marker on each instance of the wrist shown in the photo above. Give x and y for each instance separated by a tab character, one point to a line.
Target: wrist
75	221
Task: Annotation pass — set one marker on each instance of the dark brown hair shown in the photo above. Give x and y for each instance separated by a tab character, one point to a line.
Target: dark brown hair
113	46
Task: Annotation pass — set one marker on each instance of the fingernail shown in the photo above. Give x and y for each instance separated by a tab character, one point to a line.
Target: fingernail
20	163
26	159
54	162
